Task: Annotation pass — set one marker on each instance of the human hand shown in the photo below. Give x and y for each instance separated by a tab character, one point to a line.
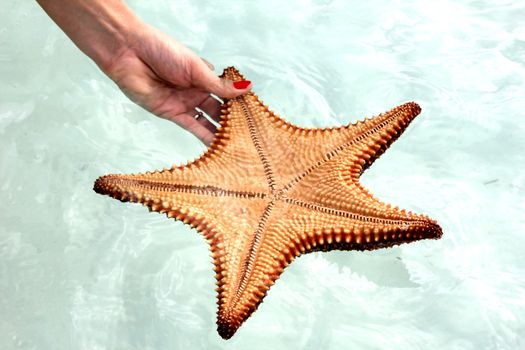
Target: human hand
152	69
169	80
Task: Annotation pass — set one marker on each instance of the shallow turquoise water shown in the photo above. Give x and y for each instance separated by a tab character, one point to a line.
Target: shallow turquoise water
82	271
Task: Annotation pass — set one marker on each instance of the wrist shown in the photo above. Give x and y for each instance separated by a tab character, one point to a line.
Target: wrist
102	29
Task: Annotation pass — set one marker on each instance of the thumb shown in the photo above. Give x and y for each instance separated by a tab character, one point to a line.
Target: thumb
208	81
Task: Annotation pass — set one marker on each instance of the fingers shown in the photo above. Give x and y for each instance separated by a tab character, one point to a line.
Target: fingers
202	128
226	88
202	120
211	107
210	66
180	106
206	80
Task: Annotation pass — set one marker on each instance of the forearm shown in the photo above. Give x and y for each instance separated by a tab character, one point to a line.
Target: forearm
100	28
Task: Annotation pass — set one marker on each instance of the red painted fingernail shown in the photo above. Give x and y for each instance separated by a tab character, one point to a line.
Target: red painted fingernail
243	84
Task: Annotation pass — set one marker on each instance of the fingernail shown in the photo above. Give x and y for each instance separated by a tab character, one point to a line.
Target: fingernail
243	84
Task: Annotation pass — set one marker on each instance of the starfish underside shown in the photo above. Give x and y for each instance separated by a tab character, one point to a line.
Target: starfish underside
267	191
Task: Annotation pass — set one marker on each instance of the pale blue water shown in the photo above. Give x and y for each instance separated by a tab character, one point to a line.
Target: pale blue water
82	271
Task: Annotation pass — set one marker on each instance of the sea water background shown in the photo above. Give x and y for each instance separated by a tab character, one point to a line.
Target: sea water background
82	271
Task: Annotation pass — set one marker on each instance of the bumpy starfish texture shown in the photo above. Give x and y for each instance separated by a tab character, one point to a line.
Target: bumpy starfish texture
267	191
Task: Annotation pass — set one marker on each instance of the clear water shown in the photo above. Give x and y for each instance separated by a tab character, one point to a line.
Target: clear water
82	271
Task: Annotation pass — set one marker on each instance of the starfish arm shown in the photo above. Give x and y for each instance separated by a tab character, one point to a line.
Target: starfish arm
332	186
231	222
334	181
323	228
334	189
292	228
262	264
286	141
202	207
231	145
213	169
372	137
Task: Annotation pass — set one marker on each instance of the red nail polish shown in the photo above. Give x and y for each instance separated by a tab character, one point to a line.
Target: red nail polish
243	84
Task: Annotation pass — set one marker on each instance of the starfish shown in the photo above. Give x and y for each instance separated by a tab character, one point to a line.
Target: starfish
267	191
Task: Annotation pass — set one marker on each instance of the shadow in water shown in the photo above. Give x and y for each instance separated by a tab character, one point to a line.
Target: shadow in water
383	267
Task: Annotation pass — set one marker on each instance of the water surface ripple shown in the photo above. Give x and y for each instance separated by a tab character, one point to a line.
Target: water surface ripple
81	271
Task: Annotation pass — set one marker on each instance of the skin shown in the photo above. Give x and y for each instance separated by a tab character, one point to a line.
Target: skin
152	69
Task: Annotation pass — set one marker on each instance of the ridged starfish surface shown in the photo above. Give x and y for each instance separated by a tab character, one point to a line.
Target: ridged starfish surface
267	191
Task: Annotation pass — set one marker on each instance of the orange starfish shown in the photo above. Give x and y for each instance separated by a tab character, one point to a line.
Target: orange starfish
267	191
